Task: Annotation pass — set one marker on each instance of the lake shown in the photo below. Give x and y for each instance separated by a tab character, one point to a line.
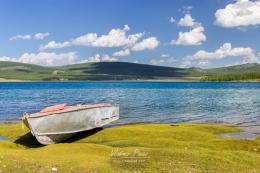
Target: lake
158	102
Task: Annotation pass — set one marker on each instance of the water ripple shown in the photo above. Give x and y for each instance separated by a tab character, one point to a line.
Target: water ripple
164	102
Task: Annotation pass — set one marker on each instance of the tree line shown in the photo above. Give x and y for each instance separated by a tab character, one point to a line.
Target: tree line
233	77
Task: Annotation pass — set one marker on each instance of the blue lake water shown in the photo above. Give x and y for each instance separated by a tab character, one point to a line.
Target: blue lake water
159	102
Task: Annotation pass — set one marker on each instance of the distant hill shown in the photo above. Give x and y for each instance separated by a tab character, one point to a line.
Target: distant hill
244	68
112	71
125	70
21	71
244	72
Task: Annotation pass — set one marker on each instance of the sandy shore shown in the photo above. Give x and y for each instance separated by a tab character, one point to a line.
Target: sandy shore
9	80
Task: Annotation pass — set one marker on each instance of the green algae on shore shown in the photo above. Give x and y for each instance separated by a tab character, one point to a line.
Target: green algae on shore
132	148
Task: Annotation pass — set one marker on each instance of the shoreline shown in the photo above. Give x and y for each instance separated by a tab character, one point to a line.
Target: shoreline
148	80
156	79
175	79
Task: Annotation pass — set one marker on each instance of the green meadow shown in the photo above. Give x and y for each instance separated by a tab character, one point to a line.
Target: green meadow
124	71
132	148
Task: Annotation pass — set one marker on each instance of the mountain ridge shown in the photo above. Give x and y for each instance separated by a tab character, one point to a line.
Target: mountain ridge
113	71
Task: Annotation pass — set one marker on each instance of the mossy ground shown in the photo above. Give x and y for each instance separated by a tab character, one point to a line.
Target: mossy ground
132	148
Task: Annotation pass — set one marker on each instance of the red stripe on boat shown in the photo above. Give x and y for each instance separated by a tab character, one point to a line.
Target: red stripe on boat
63	107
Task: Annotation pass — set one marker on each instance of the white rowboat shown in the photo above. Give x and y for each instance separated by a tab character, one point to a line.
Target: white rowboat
58	123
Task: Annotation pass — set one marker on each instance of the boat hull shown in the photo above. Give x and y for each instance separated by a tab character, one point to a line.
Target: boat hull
58	127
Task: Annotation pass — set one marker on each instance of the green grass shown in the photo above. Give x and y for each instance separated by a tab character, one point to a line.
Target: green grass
149	148
112	71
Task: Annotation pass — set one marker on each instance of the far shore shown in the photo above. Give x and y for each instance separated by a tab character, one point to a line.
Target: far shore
176	79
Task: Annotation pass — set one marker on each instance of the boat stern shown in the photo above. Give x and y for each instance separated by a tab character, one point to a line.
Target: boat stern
25	120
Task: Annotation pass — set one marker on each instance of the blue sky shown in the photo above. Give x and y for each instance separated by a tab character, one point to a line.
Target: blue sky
171	32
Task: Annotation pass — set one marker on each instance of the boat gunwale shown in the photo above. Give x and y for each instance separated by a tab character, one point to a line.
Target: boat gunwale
61	112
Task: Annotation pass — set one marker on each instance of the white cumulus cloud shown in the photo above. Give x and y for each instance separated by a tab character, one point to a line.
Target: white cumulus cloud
99	58
203	63
121	53
21	37
240	13
193	37
115	38
41	36
148	43
187	20
85	40
44	58
203	57
54	45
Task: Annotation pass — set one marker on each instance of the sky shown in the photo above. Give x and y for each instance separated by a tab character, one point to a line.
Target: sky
177	33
